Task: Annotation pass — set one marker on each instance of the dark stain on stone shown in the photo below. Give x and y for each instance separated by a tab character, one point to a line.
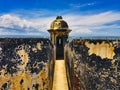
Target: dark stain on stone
36	86
4	86
21	81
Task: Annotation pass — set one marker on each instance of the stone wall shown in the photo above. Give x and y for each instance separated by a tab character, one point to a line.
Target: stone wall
93	64
26	64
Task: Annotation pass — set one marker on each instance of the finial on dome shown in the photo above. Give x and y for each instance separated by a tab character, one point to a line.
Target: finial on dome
59	17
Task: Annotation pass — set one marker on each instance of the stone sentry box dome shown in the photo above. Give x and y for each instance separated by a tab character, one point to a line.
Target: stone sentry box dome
59	27
59	23
59	32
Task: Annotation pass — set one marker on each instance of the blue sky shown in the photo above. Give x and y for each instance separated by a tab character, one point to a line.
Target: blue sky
84	17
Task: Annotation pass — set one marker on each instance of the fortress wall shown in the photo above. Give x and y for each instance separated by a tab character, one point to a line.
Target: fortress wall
93	64
26	64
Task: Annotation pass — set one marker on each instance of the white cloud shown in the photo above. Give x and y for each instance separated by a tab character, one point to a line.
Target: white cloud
82	5
80	24
91	23
11	21
79	31
14	24
92	20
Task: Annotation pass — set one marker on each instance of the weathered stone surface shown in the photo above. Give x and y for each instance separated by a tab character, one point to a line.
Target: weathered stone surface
93	64
26	64
104	50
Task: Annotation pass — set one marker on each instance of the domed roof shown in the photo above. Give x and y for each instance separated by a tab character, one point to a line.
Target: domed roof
59	23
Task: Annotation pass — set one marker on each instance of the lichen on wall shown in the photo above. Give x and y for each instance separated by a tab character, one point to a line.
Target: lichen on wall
24	57
104	50
93	64
25	63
